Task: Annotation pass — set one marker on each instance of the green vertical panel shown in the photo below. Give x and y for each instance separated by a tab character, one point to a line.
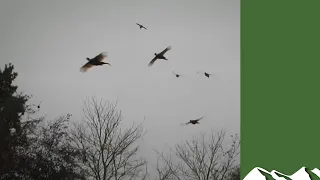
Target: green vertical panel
280	85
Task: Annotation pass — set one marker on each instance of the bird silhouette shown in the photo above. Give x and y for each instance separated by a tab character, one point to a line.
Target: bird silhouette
96	61
177	75
207	74
141	26
159	56
196	121
38	106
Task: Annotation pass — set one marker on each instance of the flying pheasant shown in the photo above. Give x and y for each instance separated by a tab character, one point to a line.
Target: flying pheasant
159	56
177	75
196	121
38	106
141	26
96	61
205	74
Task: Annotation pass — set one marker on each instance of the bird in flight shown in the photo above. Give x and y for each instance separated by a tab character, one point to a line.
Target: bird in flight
159	56
96	61
196	121
177	75
205	74
141	26
38	106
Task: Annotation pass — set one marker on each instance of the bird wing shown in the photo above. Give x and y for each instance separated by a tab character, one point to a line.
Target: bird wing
198	119
138	24
100	57
85	67
144	27
152	61
164	51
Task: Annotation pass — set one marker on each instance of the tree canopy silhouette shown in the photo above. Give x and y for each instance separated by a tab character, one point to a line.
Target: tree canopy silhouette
99	148
29	149
12	108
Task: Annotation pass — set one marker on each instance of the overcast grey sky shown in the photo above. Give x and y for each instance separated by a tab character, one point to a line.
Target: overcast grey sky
48	41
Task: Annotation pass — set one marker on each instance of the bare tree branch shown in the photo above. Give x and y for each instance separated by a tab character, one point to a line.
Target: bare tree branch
201	159
108	152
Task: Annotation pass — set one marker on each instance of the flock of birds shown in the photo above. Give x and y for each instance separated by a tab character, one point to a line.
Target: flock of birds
99	60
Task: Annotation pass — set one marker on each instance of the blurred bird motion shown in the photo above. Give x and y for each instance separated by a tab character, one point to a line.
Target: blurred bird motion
205	74
38	106
177	75
96	61
195	121
141	26
159	56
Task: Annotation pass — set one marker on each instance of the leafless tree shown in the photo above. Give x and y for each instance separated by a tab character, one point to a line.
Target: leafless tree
201	159
108	152
166	169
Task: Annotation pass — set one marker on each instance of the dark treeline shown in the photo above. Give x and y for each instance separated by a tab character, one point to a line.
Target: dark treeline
33	147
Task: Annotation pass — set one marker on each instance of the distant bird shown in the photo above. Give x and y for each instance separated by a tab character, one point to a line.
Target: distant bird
141	26
38	106
205	74
196	121
177	75
96	61
159	56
